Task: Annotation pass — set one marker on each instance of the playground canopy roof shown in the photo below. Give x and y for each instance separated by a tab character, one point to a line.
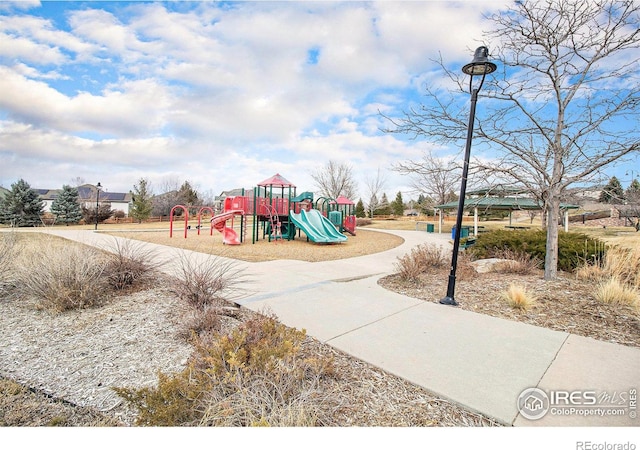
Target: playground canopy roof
342	200
501	203
277	180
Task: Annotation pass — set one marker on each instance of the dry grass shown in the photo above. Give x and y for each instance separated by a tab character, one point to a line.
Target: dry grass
60	275
624	264
615	292
10	247
517	296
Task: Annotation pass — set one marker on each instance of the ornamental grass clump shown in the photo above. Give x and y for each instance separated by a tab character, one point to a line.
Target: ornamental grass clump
61	275
615	292
129	263
518	297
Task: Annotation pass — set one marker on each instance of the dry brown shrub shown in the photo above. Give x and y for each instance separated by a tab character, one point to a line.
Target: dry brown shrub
214	283
130	262
464	268
517	262
419	260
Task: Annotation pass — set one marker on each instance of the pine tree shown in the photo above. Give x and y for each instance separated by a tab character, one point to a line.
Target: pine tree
21	207
142	201
66	207
612	192
384	207
397	206
632	194
360	211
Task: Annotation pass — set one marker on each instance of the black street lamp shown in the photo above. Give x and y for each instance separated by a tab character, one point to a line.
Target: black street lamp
98	187
479	66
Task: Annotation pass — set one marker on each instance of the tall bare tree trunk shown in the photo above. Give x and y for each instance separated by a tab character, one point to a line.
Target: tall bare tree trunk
551	256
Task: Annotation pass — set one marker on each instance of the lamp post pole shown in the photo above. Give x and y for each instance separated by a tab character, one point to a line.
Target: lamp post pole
98	187
479	66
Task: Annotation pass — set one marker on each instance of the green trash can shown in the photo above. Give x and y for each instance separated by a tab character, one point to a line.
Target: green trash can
430	228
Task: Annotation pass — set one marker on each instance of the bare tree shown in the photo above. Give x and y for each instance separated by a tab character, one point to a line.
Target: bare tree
334	180
375	186
569	79
167	197
435	177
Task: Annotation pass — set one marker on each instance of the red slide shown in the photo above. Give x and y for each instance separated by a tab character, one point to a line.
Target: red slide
219	222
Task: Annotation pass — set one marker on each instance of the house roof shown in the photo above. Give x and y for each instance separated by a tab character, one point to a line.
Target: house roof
501	203
276	180
85	192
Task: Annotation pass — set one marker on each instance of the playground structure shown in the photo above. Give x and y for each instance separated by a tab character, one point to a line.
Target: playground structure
278	213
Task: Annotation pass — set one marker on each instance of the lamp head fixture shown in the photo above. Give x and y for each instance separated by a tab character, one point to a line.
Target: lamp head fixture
480	64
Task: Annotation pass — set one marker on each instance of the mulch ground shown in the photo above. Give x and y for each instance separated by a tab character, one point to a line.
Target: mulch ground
565	304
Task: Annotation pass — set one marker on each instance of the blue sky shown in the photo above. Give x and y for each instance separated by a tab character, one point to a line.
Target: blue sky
223	94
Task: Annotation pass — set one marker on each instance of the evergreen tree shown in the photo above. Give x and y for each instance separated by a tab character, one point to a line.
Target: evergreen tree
384	208
21	207
397	206
612	192
632	194
188	196
360	211
66	207
141	201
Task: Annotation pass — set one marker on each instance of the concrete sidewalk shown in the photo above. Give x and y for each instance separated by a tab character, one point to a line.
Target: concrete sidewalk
481	362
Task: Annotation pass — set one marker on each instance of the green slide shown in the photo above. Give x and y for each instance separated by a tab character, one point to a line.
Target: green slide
317	227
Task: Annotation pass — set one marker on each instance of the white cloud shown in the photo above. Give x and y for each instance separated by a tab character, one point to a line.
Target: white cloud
222	96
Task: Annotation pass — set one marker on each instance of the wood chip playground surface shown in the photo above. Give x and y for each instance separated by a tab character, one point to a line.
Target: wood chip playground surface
365	242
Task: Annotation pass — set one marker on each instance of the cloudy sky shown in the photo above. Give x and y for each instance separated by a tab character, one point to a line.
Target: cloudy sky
223	94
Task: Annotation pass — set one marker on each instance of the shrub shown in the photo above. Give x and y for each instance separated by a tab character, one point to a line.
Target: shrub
518	297
615	292
518	262
420	260
464	268
129	262
362	221
199	323
574	249
212	282
252	376
63	275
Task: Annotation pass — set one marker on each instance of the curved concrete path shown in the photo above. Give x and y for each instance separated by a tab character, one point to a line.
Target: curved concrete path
481	362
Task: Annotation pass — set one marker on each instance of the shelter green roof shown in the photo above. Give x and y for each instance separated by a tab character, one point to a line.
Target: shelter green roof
501	203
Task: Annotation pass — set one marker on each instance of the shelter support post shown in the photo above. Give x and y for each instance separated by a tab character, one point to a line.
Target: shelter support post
475	221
